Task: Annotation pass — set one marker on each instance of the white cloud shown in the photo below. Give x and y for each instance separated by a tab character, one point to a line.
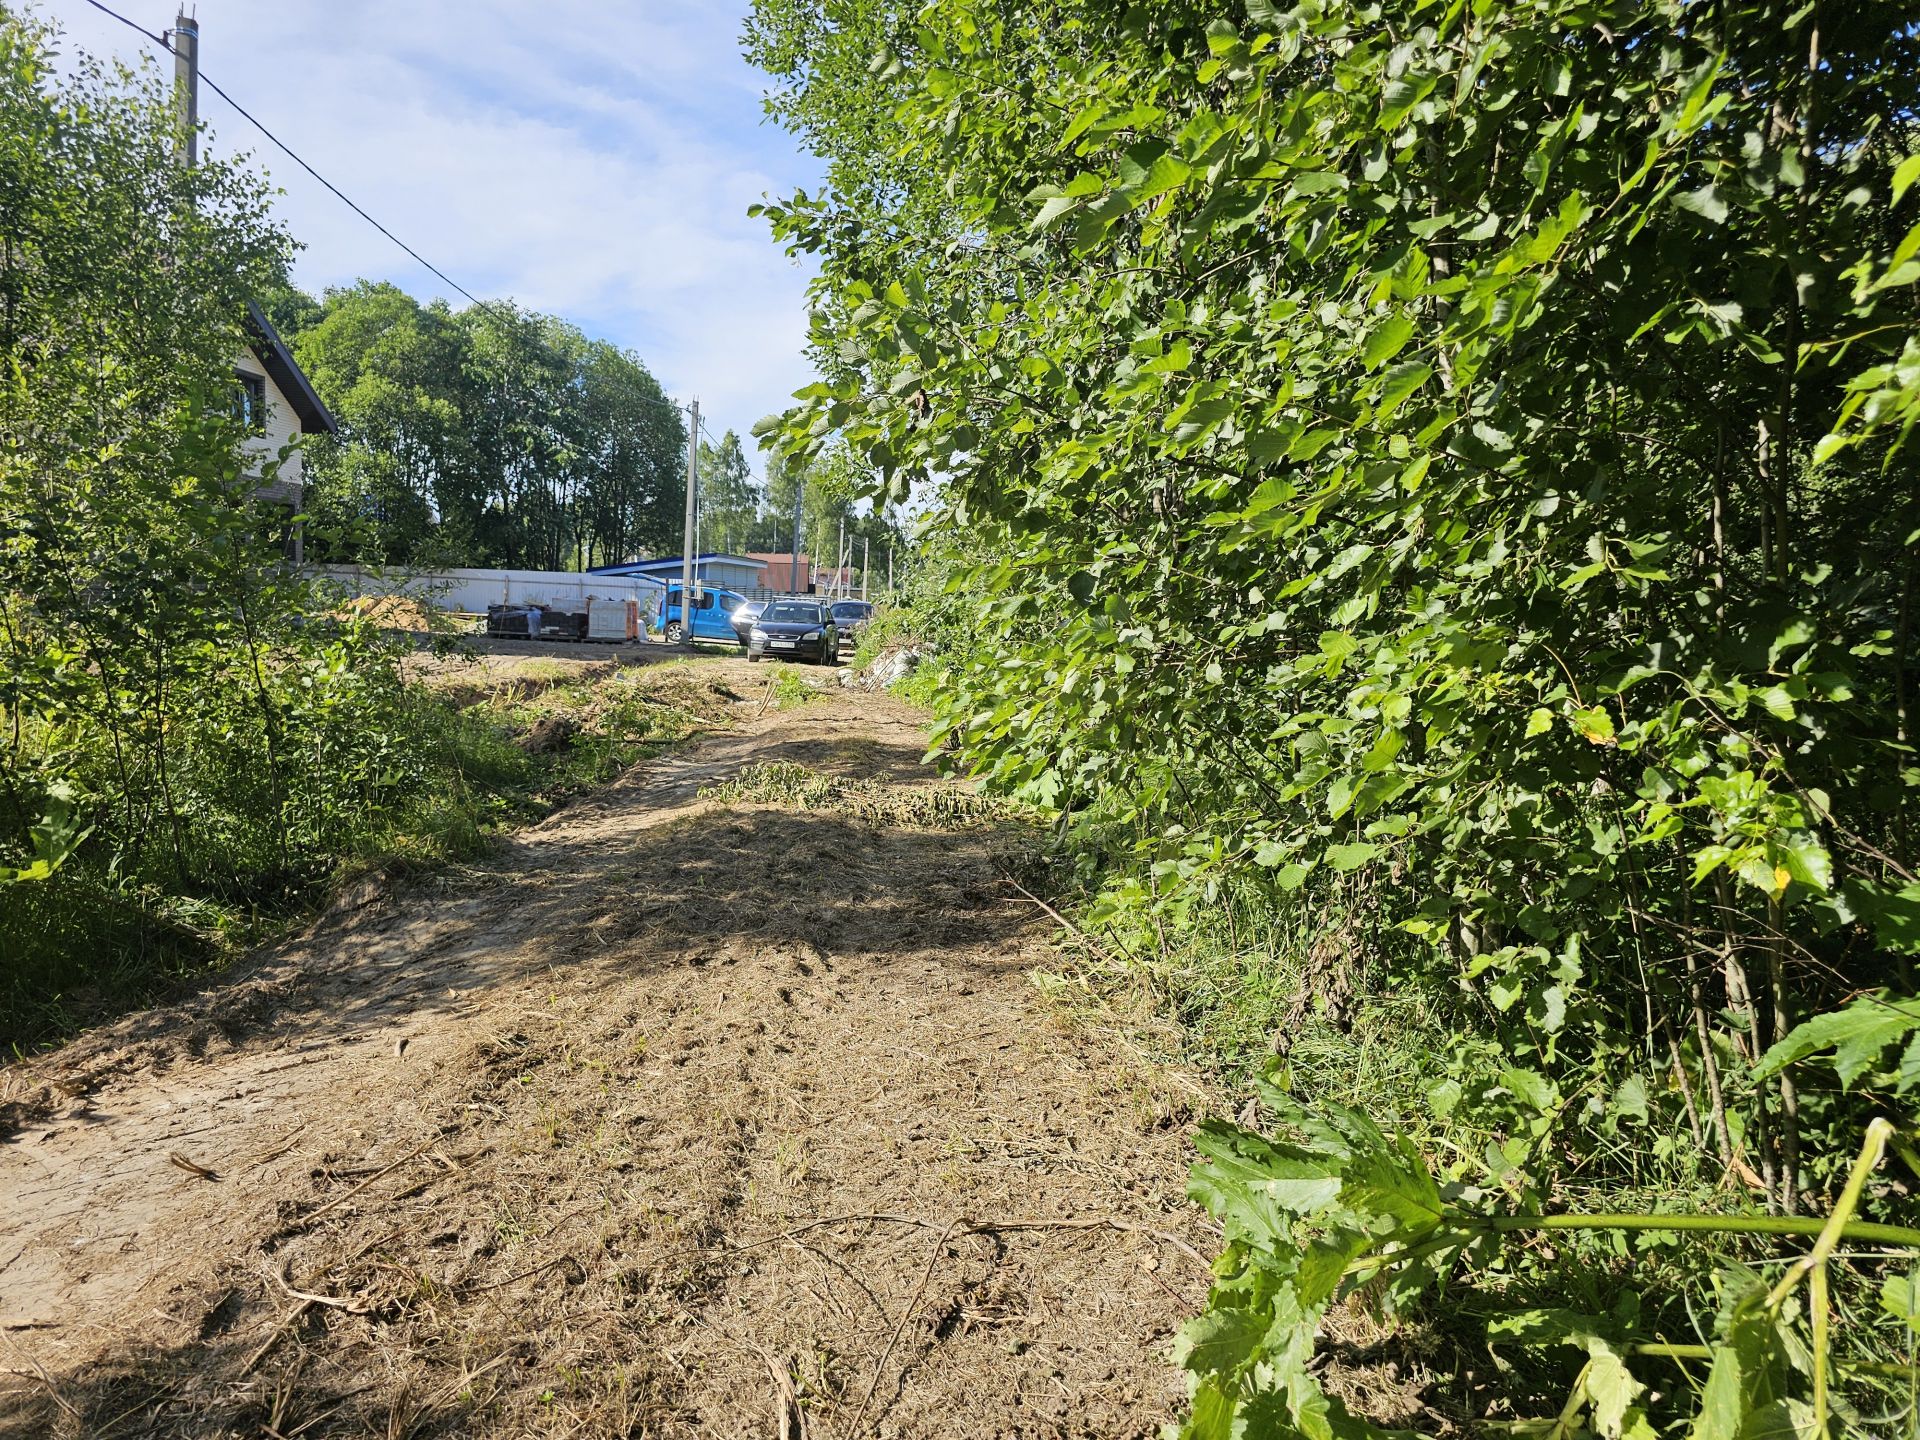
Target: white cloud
594	160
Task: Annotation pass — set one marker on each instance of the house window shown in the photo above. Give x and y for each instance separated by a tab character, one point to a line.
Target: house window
250	404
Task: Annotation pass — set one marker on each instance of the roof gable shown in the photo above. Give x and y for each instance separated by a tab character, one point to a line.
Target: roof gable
278	361
673	564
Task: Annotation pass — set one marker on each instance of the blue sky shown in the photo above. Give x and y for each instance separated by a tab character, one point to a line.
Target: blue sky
591	158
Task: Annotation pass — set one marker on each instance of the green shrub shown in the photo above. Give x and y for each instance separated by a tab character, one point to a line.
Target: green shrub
1449	459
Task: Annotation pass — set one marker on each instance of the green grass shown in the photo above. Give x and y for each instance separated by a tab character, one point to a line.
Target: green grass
790	690
89	944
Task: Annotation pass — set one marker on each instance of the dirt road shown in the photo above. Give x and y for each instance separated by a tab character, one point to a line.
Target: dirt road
677	1117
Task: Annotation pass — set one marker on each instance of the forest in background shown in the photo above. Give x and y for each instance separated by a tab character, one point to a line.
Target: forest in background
1426	508
493	435
489	435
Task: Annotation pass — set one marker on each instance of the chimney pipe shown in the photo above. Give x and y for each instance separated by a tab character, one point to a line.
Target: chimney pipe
186	80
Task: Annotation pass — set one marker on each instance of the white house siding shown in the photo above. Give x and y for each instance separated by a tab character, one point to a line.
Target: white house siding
281	429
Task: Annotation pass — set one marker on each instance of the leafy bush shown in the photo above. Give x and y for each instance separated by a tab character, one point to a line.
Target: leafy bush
189	743
1341	1204
1449	459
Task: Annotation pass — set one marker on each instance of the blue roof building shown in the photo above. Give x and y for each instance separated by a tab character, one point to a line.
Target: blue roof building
729	572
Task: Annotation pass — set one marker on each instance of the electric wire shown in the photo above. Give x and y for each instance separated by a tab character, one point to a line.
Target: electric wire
135	25
490	307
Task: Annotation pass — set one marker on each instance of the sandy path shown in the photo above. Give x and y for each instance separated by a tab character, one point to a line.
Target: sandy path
674	1118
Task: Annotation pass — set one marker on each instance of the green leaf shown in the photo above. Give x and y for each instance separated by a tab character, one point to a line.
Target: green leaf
1398	385
1630	1100
1530	1087
56	836
1900	1298
1219	1341
1271	853
1255	1187
1386	340
1317	182
1856	1035
1551	1325
1744	1373
1053	210
1267	15
1611	1389
1904	174
1214	1414
1194	420
1706	201
1351	857
1896	917
1594	725
1168	172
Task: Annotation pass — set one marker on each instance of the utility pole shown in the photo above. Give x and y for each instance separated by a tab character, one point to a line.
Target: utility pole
686	558
866	562
799	509
185	42
840	558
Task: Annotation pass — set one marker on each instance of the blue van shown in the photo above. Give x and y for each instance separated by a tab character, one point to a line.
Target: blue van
713	608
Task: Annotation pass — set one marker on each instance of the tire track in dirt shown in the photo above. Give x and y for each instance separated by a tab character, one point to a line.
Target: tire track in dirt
675	1117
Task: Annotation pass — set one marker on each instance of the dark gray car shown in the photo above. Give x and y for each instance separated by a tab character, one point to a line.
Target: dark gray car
850	617
795	630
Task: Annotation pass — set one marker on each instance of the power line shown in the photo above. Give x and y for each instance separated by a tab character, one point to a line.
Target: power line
160	40
294	156
490	306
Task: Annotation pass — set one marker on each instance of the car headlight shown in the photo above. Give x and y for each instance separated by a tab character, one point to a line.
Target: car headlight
813	635
757	633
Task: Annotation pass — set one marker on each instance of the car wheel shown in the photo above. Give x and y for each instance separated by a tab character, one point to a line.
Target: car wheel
675	633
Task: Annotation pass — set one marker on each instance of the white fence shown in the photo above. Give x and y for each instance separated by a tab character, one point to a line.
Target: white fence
473	591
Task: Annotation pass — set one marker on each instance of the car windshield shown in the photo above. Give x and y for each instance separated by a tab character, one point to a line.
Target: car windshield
791	614
751	608
854	611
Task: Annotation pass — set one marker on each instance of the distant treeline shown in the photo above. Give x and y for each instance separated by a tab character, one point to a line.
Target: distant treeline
495	435
488	435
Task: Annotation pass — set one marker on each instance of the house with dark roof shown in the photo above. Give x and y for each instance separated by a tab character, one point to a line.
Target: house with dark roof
279	405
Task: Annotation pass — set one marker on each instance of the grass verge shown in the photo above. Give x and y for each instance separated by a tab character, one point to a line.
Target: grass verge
494	746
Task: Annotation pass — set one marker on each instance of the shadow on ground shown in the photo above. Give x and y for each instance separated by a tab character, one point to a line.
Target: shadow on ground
661	1124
